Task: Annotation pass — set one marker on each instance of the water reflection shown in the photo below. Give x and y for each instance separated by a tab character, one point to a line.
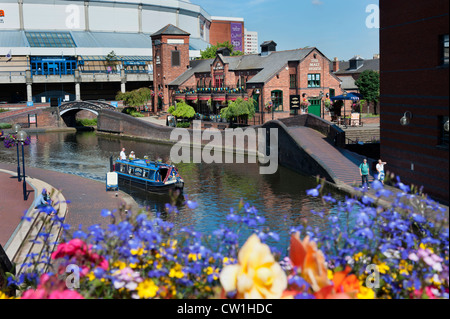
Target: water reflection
280	198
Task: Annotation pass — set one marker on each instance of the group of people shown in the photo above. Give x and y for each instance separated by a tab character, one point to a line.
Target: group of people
364	171
123	156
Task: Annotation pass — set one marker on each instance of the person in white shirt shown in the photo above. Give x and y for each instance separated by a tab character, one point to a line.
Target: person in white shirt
123	156
132	156
380	170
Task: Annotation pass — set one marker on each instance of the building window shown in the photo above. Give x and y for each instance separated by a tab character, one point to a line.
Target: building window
444	49
314	80
175	58
277	99
443	134
292	81
218	81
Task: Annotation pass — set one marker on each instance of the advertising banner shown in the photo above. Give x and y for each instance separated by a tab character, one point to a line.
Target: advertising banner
236	36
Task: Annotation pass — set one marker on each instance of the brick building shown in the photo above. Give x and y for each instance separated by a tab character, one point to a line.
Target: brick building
414	79
225	29
170	60
282	77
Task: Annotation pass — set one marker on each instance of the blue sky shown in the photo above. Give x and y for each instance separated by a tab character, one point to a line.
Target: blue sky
336	27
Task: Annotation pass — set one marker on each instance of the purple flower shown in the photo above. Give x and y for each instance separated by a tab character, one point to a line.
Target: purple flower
313	192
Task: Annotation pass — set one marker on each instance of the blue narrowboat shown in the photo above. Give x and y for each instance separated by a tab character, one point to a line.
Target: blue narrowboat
148	175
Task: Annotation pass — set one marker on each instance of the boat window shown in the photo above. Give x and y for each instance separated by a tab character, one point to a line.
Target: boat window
123	168
138	172
163	172
145	174
130	170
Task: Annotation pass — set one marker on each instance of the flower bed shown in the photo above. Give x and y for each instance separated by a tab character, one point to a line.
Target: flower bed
373	252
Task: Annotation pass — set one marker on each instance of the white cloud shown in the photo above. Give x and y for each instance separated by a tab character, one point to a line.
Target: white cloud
317	2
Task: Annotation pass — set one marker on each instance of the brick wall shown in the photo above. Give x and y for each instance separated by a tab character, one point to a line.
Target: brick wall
413	79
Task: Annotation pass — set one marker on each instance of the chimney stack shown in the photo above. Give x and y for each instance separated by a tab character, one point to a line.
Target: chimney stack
335	64
376	56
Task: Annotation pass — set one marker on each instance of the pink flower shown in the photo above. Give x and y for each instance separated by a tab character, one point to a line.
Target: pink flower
66	294
74	247
34	294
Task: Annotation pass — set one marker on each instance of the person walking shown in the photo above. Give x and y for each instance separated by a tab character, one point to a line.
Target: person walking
364	172
380	170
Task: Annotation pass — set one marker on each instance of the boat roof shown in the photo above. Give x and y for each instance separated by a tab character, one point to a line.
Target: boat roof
143	163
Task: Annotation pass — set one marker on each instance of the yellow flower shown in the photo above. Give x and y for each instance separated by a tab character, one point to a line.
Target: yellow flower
365	293
194	257
138	252
147	289
119	264
257	274
404	267
383	268
176	272
330	274
91	276
357	256
4	296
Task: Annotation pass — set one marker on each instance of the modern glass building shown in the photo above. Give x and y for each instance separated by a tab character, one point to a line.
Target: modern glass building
80	47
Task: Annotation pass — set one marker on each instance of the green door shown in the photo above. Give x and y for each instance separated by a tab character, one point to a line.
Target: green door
256	102
314	108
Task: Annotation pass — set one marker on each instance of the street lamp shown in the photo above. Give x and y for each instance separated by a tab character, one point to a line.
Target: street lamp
345	95
274	97
406	118
21	137
16	128
320	97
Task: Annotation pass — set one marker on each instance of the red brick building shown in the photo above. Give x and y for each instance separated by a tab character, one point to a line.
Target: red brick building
414	84
170	59
225	29
281	77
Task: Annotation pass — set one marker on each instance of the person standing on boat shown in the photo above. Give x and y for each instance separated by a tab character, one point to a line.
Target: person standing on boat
123	156
132	156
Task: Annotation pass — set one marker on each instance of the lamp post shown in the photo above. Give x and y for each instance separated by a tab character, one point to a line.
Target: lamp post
16	128
321	97
273	97
345	95
21	137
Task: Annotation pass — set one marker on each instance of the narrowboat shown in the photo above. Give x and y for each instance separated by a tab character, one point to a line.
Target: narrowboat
148	175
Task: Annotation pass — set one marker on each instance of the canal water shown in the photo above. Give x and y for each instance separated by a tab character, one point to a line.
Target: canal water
280	198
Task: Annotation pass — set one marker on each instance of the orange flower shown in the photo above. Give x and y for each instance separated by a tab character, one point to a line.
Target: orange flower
346	284
310	261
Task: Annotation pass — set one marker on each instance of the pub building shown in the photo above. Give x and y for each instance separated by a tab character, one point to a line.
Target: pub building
280	78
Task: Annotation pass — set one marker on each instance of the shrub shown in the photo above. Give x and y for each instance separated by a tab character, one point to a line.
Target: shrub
5	125
87	122
183	110
184	124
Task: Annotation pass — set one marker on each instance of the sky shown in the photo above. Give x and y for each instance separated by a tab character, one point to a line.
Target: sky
338	28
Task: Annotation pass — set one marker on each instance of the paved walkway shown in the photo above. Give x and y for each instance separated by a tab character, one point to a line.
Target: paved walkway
86	199
343	165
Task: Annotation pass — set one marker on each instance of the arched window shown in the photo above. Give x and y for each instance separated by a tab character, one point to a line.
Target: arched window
277	99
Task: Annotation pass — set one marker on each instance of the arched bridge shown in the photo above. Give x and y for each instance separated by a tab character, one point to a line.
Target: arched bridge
92	106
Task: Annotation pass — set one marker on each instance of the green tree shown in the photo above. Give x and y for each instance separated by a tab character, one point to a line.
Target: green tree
182	110
136	97
239	109
211	51
368	84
